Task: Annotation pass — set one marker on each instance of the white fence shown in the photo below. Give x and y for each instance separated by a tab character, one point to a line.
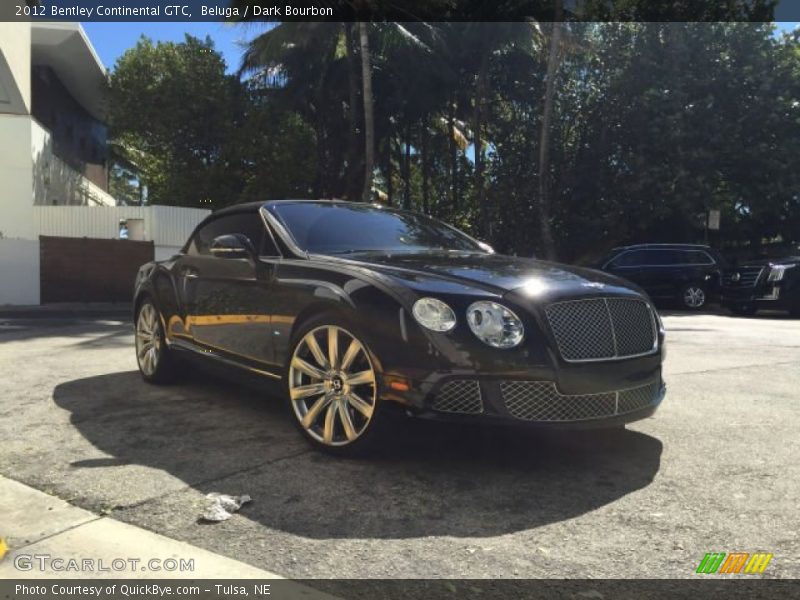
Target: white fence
164	225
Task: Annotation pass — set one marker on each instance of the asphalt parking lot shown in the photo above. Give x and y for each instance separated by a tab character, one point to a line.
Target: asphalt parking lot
715	470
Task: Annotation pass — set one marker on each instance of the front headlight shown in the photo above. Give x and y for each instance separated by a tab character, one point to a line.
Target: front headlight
776	272
494	324
434	314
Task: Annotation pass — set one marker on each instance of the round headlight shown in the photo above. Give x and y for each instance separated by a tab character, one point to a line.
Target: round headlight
494	324
434	314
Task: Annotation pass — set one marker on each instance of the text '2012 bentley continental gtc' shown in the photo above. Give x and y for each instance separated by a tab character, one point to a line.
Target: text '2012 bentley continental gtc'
359	310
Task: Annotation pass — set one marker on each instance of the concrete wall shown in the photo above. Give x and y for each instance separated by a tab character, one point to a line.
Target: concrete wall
16	178
15	46
19	272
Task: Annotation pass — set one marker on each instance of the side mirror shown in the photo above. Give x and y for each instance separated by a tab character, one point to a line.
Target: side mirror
232	245
486	247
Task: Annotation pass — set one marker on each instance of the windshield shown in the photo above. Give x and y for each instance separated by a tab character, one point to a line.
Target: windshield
342	228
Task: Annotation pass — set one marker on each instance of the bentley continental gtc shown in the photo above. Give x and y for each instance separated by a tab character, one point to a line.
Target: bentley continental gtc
358	311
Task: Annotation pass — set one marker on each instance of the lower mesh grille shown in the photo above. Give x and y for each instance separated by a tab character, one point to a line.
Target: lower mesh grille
541	401
636	398
459	396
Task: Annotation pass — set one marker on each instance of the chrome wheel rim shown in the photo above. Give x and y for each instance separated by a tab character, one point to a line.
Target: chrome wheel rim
148	340
694	297
332	385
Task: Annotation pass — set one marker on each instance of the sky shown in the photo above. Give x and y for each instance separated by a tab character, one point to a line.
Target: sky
112	39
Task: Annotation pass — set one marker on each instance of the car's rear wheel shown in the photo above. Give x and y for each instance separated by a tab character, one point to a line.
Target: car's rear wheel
332	387
152	355
693	296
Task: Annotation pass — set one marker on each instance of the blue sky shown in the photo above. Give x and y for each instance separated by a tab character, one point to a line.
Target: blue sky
112	39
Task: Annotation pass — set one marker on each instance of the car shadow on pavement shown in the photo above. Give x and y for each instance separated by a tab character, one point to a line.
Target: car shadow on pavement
428	479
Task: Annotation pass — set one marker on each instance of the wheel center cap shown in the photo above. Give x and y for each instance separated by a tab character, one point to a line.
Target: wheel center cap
337	384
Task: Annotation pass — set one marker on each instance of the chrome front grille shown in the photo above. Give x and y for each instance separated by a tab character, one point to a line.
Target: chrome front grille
541	401
459	396
742	277
602	328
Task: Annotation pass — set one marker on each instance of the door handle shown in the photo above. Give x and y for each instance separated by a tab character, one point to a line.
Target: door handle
191	273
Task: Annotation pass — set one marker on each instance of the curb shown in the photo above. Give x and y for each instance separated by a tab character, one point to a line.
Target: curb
37	524
67	311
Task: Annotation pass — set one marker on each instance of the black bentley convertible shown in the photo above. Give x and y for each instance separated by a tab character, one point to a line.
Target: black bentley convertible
359	310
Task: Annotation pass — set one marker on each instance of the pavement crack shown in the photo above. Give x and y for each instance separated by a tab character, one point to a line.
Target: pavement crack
57	533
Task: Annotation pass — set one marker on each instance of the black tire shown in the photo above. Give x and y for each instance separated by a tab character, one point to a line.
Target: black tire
372	431
743	310
156	362
693	296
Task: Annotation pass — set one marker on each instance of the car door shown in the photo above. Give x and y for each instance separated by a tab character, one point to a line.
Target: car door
229	299
660	272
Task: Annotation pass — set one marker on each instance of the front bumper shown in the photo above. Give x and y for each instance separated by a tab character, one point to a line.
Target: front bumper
765	295
538	403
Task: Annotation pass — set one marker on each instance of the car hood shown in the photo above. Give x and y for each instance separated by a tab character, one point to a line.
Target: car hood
496	273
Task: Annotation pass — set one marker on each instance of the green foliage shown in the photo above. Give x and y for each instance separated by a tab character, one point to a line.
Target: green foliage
653	124
200	137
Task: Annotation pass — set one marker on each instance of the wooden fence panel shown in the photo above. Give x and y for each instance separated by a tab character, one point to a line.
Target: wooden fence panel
90	270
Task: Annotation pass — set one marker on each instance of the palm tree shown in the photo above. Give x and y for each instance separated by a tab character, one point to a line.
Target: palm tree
302	65
369	112
553	59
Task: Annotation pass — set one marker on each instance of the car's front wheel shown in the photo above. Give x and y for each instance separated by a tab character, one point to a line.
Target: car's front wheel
152	355
693	296
332	387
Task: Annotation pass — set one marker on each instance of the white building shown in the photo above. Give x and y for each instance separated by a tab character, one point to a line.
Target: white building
54	157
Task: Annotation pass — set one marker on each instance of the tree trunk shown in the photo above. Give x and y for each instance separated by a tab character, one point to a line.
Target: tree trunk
425	167
369	116
389	184
451	126
545	225
480	96
353	175
319	181
407	169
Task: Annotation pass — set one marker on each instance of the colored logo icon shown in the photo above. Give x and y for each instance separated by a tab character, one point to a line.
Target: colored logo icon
735	562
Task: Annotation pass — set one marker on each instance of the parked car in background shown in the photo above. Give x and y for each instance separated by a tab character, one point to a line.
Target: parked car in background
688	273
764	284
358	310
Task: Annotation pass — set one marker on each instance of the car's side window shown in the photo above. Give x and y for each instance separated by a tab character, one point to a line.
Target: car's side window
663	258
248	224
631	258
268	247
698	257
201	240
